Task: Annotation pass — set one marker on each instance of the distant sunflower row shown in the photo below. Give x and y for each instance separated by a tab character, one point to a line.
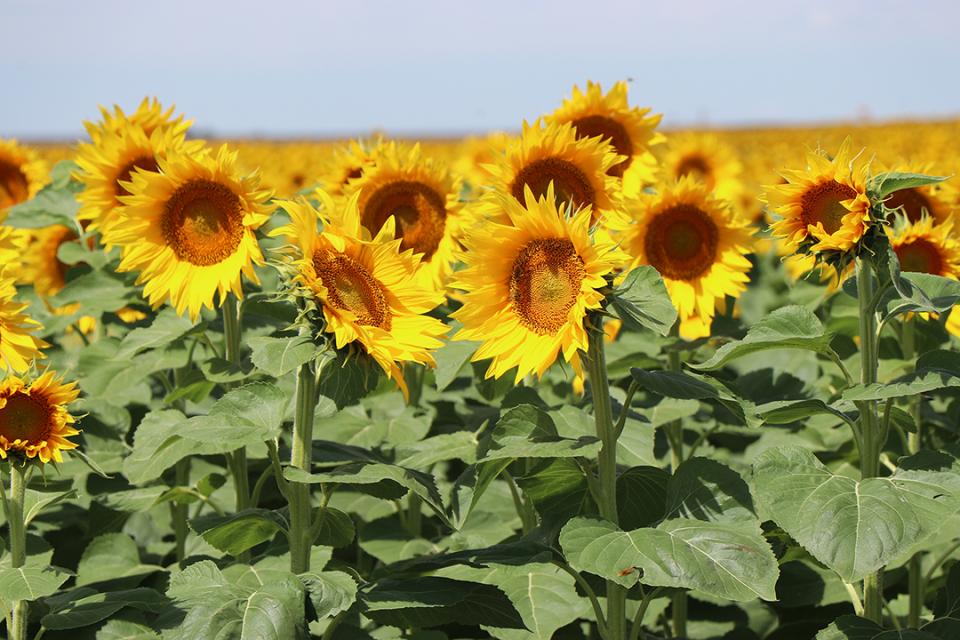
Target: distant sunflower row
515	240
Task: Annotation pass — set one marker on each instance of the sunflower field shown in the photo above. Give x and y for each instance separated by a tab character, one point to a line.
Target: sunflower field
584	380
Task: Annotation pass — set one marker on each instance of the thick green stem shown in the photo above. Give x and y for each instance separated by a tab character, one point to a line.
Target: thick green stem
606	431
301	538
179	510
870	429
674	432
915	570
231	338
18	546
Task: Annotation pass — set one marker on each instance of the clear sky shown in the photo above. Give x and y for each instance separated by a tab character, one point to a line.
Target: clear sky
284	68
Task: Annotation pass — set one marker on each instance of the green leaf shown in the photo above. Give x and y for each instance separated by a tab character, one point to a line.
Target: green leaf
854	628
36	502
220	371
238	532
544	595
705	489
451	358
158	444
56	203
791	327
884	184
688	386
946	609
434	601
126	630
252	413
330	592
335	528
112	556
166	327
729	560
641	300
855	527
909	385
96	292
923	293
788	411
90	608
219	610
279	356
526	431
30	582
461	445
348	377
642	496
395	480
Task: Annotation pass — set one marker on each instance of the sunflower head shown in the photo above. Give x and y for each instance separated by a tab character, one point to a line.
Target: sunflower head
698	245
823	209
706	159
529	283
190	229
421	197
18	346
926	247
364	287
108	165
476	154
12	245
348	164
552	154
631	130
34	421
148	116
22	174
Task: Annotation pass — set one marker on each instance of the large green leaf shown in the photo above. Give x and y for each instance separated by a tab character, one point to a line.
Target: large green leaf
883	184
452	358
216	609
705	489
30	582
279	356
434	601
158	444
923	292
393	479
909	385
239	532
330	592
166	327
687	386
96	292
251	413
56	203
544	595
641	300
854	628
791	327
854	527
112	556
86	606
526	431
729	560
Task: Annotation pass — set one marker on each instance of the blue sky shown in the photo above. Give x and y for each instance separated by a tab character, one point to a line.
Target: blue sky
285	68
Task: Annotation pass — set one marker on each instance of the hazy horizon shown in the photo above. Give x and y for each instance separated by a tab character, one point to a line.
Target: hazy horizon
426	68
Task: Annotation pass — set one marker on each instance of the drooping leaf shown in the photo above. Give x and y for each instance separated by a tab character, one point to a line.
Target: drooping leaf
705	489
451	358
90	607
729	560
526	431
791	327
922	293
330	592
335	528
854	527
112	556
238	532
884	184
641	300
688	386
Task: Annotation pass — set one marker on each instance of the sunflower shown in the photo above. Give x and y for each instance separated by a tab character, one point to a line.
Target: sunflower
529	284
189	229
631	130
549	154
476	154
149	115
18	348
707	159
698	245
348	164
916	202
34	420
22	174
423	199
926	247
12	245
825	207
365	287
107	165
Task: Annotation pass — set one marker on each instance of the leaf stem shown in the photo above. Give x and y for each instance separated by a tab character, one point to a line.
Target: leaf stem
641	611
301	452
18	546
591	594
607	460
674	431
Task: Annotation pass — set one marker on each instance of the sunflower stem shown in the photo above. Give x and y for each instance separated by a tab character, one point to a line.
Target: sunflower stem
607	462
674	432
298	493
178	511
914	443
18	546
870	431
231	339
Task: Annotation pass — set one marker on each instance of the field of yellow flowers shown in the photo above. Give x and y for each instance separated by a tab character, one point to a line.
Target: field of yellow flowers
585	379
